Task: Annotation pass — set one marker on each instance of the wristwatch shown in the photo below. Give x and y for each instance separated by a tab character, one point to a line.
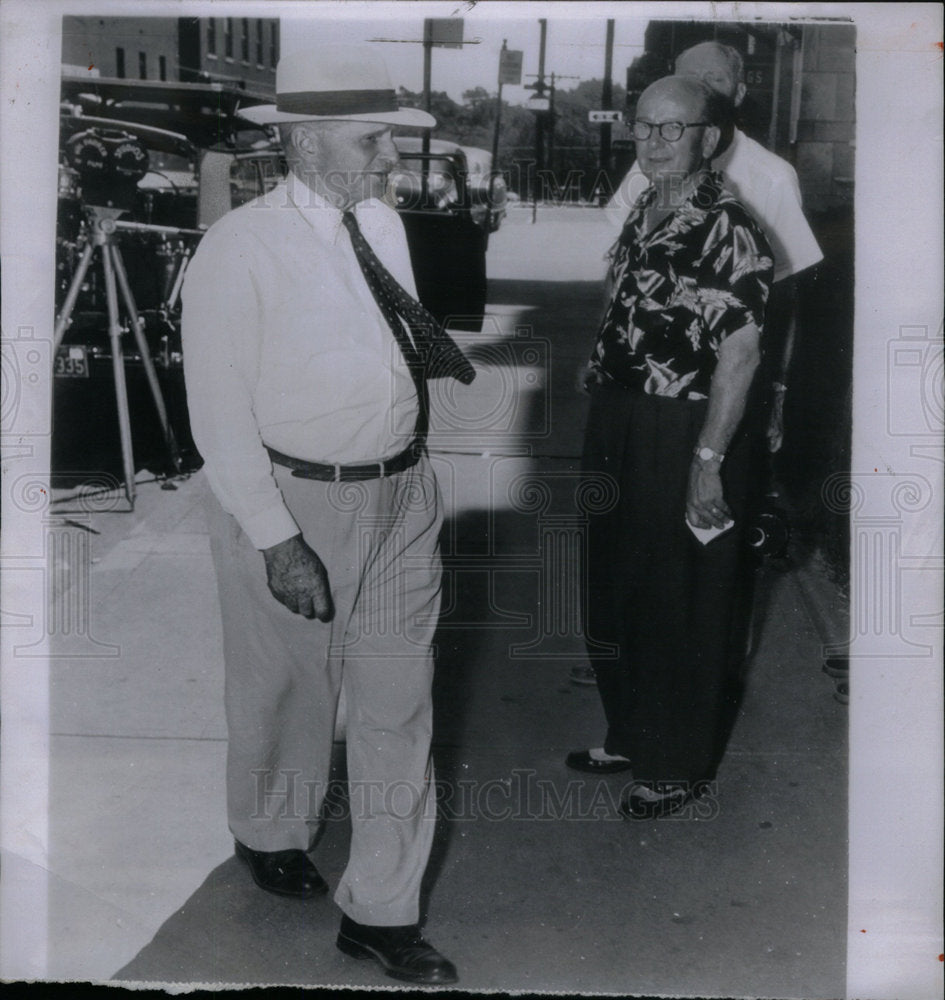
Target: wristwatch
706	454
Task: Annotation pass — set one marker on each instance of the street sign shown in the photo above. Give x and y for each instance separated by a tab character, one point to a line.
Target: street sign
444	32
510	66
604	116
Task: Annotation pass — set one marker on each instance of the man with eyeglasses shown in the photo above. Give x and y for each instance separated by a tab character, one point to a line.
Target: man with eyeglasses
763	182
671	422
768	187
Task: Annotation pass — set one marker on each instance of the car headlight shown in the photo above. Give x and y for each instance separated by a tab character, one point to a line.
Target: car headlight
497	191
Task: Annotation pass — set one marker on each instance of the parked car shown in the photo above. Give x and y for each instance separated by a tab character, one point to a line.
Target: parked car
450	203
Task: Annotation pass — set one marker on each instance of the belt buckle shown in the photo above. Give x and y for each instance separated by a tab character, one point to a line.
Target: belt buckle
382	466
337	476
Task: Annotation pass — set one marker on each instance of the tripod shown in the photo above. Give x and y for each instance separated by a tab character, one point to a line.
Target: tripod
103	223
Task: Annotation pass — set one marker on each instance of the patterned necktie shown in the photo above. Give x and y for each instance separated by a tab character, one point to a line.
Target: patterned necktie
432	354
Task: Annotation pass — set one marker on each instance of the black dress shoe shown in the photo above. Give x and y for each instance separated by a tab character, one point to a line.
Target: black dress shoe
286	873
583	675
400	951
671	799
837	667
581	760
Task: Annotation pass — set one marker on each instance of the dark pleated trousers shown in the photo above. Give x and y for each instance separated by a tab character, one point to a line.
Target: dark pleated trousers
675	611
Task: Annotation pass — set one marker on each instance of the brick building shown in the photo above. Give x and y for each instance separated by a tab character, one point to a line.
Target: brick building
237	50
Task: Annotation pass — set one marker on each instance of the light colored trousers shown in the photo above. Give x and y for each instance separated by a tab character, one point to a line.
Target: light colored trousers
378	540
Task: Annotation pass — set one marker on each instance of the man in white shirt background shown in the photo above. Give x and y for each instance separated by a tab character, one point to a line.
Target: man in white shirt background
307	396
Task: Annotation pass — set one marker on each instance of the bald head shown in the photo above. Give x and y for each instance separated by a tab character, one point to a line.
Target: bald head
691	96
718	66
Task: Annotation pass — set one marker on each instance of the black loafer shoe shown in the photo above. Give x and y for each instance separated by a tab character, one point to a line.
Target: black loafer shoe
670	801
581	760
400	951
286	873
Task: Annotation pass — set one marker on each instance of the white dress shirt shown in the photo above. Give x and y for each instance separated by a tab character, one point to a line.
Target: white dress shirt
285	346
765	184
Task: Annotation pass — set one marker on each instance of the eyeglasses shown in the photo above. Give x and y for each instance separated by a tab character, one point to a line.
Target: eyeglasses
670	131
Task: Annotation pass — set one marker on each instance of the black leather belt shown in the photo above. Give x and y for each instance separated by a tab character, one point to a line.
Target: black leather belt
350	473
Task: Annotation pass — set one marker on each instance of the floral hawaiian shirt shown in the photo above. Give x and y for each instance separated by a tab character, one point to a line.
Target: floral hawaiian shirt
679	291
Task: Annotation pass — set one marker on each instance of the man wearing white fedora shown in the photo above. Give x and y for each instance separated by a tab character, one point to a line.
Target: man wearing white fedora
306	359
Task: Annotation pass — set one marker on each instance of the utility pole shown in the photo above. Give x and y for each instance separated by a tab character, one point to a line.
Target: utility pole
498	108
544	155
607	100
539	87
444	33
543	24
551	125
427	78
539	117
510	71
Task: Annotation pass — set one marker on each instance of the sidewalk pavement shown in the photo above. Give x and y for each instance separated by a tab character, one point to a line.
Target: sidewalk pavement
535	883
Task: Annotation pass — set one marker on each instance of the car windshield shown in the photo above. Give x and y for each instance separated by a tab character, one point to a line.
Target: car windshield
168	170
407	181
252	176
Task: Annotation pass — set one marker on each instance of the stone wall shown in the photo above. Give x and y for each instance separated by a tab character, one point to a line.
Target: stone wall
826	126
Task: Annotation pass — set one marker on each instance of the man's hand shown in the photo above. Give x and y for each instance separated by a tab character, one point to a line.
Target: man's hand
297	579
739	356
705	503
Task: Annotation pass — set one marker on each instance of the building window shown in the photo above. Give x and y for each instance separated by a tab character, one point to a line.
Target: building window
228	38
143	65
274	44
212	36
260	47
162	67
244	40
120	63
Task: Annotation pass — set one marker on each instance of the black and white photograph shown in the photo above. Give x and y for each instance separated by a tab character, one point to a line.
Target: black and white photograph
472	497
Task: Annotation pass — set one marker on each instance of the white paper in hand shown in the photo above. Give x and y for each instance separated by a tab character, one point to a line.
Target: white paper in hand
705	535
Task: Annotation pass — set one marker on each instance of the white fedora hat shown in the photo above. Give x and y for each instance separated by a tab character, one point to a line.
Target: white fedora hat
347	82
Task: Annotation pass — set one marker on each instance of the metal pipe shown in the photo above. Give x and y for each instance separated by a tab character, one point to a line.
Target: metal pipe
72	295
118	372
169	440
607	99
427	99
